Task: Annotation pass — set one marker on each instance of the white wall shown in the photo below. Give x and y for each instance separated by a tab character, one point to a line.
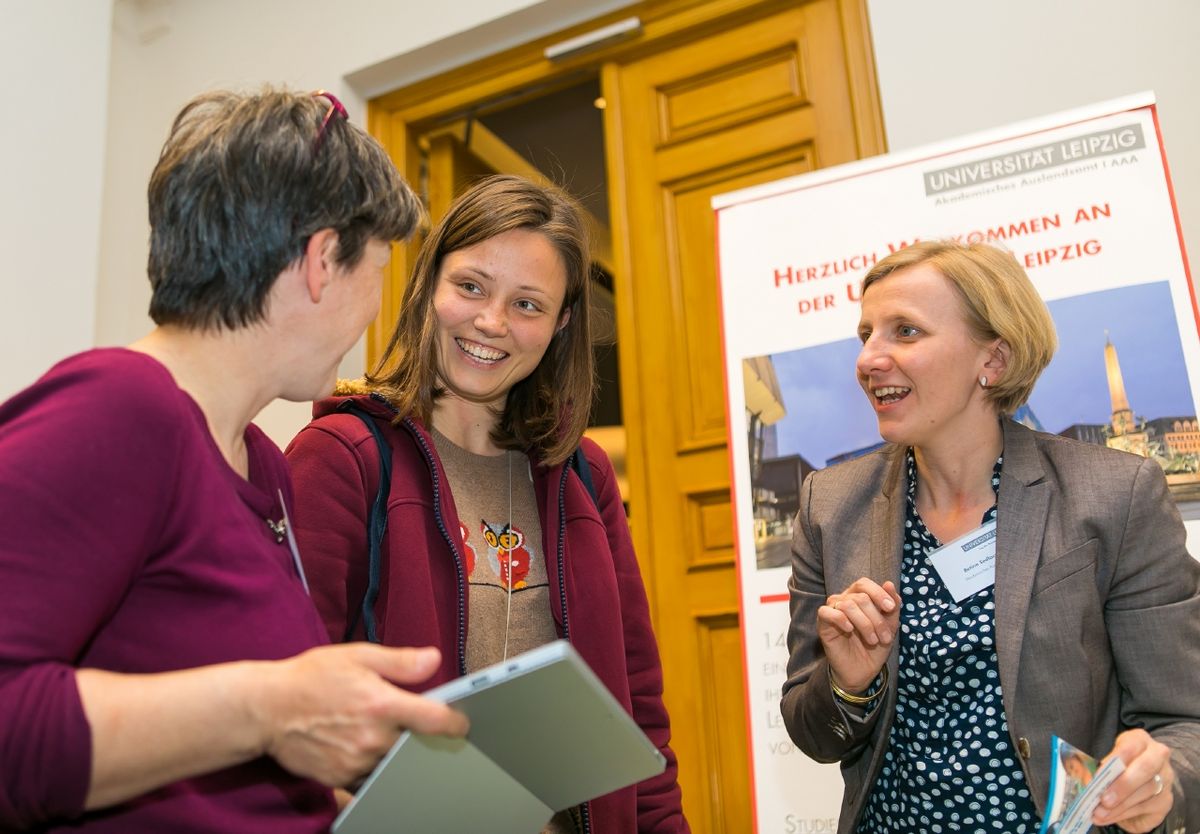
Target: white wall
54	57
948	67
75	272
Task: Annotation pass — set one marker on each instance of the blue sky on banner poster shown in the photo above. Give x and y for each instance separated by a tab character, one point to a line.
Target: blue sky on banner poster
828	415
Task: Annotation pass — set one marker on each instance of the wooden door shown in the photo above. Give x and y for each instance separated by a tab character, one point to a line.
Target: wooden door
707	96
776	92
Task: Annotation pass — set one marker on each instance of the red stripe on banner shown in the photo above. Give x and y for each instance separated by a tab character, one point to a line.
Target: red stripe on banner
1187	271
737	549
773	598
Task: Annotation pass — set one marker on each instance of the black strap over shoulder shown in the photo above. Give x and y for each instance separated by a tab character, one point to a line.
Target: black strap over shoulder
579	463
376	527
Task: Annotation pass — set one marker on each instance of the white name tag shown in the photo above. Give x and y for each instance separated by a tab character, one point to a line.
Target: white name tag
967	565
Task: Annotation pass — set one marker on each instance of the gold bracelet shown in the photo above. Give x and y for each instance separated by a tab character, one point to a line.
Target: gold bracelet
860	700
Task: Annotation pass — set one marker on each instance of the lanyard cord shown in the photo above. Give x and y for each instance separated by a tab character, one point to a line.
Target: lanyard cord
508	580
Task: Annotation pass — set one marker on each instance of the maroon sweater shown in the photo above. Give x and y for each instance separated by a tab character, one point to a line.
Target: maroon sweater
596	591
127	543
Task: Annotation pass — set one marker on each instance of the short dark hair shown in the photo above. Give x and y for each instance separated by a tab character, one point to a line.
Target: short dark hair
547	412
240	187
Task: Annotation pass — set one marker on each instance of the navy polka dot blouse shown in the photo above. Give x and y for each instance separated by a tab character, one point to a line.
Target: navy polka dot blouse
949	763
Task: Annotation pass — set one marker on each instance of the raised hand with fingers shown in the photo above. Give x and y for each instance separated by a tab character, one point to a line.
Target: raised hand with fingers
857	628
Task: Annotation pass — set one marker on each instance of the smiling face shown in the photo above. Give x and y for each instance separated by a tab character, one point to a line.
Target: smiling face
497	305
920	364
1077	769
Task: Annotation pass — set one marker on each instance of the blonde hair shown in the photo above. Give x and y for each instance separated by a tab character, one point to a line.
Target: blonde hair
999	301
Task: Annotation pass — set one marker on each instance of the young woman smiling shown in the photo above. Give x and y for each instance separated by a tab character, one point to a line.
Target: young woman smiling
493	543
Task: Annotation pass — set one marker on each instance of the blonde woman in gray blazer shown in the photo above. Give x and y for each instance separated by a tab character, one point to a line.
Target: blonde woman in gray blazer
940	708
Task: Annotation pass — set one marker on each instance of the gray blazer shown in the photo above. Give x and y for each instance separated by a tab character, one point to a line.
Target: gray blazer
1097	609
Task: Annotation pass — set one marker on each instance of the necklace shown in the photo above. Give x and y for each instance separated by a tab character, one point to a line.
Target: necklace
508	582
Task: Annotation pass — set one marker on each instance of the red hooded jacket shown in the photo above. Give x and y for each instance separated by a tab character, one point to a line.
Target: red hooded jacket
600	604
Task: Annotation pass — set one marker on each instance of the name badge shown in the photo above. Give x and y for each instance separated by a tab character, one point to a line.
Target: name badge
967	565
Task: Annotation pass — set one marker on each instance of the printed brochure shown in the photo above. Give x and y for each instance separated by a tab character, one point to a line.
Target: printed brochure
1077	782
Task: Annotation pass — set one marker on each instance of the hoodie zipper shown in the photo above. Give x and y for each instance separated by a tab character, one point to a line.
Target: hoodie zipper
585	809
458	561
562	535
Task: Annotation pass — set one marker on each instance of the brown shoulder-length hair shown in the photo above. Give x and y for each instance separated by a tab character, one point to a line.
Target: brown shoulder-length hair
546	412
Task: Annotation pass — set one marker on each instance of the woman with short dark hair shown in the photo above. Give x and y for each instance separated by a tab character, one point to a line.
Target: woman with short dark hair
161	664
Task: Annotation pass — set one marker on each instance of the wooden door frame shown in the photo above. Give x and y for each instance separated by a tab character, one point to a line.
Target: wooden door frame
398	118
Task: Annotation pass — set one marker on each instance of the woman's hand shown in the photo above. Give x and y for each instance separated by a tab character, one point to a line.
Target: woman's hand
331	713
328	714
1139	799
857	628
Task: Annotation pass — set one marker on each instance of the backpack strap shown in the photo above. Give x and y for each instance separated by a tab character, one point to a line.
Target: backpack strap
579	463
376	527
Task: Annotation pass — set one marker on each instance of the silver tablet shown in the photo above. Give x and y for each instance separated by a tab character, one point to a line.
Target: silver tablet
545	735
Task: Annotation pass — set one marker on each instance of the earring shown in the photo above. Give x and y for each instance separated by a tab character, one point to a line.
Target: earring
982	381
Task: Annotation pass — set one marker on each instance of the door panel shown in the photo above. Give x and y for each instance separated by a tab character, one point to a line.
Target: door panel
452	167
764	99
732	93
720	638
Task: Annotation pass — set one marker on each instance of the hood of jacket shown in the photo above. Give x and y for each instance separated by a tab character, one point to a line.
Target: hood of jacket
361	393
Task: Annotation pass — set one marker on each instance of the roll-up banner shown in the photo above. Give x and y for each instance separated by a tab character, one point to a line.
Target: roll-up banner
1083	201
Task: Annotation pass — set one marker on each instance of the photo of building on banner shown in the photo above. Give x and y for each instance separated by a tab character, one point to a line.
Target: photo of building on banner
1118	379
1082	200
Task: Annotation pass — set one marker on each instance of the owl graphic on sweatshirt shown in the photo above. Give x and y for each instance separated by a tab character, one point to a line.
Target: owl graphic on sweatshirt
507	553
